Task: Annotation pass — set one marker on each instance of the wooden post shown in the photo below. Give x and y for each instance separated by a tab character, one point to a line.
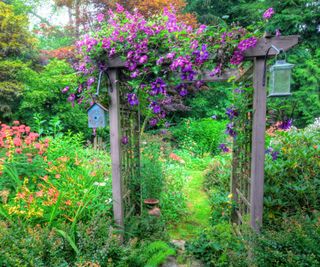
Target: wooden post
258	144
115	137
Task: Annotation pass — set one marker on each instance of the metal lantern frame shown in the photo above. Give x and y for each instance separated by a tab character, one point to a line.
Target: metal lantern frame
280	75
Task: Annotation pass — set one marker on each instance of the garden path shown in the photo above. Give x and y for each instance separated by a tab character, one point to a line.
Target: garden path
198	208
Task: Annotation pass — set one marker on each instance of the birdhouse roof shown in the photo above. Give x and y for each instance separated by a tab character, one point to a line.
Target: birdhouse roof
99	105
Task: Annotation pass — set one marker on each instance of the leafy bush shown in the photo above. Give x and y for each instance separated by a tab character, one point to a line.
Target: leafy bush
199	136
294	243
217	246
41	186
292	181
152	178
42	95
218	174
221	206
150	254
31	246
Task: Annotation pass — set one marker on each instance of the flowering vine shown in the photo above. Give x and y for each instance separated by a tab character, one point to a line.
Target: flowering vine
163	57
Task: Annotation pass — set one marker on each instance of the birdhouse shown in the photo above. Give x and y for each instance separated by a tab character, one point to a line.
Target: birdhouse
280	78
97	116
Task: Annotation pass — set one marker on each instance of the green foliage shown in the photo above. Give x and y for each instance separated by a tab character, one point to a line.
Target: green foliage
294	243
209	102
304	104
173	199
221	207
42	95
151	254
218	174
199	136
292	182
11	87
152	177
31	246
98	243
15	39
217	246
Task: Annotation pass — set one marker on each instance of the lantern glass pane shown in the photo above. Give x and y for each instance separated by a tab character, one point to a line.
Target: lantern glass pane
280	79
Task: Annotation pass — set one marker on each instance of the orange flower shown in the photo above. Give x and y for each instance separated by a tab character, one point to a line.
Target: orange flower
68	202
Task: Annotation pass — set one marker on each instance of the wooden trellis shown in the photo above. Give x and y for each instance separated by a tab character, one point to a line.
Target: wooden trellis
248	172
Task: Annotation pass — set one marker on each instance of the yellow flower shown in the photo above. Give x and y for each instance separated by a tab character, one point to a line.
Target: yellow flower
230	196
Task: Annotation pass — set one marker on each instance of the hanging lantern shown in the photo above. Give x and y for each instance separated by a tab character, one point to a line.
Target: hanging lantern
280	78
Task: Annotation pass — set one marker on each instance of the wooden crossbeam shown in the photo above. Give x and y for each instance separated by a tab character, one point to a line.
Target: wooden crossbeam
263	44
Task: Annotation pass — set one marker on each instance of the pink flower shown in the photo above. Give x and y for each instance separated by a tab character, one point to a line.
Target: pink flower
201	29
16	122
278	33
268	13
100	17
17	141
64	90
120	8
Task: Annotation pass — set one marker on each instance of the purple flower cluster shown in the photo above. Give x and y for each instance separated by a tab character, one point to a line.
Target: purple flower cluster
186	67
247	43
236	58
268	13
202	55
132	35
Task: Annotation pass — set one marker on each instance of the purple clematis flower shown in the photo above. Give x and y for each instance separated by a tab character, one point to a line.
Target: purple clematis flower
236	58
230	130
275	155
90	81
224	148
158	87
132	99
155	107
153	122
286	125
232	112
201	55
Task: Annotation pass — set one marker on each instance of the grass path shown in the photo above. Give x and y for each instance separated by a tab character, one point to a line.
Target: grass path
198	208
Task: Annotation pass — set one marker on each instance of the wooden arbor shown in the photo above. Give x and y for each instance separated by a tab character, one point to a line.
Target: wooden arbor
247	191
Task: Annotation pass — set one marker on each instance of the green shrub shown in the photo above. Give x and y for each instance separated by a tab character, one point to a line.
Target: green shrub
199	136
32	246
293	243
292	181
152	177
218	174
218	246
150	254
